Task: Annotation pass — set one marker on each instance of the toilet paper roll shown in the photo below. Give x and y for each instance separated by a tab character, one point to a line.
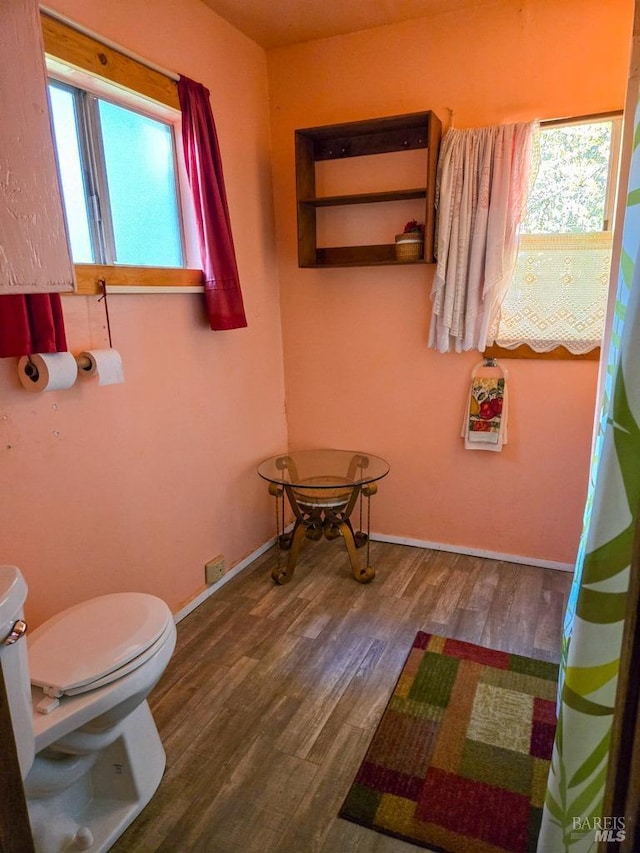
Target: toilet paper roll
47	371
106	364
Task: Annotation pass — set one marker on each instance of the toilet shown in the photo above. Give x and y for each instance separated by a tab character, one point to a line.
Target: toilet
89	750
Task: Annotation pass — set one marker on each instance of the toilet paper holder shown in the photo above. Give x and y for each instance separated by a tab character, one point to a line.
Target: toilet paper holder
83	362
31	370
53	371
103	285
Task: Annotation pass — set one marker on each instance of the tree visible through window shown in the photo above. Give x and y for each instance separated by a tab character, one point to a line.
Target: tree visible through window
570	191
558	293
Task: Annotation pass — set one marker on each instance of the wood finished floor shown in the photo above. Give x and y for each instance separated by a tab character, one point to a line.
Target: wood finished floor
273	693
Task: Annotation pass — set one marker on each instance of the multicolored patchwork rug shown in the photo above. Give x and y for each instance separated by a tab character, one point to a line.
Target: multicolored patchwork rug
459	761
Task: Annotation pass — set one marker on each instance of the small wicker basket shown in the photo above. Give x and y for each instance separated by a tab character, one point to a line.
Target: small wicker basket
409	246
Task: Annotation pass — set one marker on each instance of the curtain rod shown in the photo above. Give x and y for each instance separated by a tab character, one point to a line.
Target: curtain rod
108	43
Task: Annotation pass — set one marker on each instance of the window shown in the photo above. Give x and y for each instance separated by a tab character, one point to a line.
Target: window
558	294
118	176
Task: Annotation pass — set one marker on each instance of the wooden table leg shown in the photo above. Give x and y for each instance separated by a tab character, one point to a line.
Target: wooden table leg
365	575
284	575
312	519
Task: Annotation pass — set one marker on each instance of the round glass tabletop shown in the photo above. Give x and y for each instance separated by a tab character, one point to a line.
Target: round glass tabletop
323	469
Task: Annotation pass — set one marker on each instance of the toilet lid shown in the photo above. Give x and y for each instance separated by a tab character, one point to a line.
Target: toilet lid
90	641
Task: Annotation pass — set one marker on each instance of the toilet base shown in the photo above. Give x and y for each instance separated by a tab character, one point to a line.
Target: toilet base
93	811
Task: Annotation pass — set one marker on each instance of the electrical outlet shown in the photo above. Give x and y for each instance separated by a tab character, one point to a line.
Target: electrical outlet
214	569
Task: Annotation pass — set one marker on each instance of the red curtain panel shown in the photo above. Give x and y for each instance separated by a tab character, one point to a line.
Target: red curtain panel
204	169
31	323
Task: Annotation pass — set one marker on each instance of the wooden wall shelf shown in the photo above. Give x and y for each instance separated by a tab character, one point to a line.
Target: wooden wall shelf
356	139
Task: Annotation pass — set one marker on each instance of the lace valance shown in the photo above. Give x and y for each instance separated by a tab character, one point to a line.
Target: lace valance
558	294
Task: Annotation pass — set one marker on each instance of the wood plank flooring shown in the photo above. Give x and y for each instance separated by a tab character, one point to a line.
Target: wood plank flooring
273	693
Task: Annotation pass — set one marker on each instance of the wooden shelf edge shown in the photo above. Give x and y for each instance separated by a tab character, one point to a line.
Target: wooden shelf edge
373	125
327	266
359	256
365	198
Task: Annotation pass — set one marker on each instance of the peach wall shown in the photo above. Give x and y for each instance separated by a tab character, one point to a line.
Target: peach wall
357	370
136	486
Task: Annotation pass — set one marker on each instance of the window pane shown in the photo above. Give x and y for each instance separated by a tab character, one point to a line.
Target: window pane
570	189
65	130
142	188
558	293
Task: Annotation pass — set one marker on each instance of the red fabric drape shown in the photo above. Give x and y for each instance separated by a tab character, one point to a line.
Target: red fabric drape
31	323
204	169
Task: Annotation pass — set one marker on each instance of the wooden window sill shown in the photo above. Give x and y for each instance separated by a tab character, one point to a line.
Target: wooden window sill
123	279
557	354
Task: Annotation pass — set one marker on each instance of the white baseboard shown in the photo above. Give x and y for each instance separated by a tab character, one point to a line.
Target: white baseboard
209	591
474	552
375	537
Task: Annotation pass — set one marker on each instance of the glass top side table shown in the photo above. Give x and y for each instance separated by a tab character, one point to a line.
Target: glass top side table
323	487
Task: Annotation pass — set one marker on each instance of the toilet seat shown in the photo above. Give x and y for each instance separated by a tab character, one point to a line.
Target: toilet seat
96	642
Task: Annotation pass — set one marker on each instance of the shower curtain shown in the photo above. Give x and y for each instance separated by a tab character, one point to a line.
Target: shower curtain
572	820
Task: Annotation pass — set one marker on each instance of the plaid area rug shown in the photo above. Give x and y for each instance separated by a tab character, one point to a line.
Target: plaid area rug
459	761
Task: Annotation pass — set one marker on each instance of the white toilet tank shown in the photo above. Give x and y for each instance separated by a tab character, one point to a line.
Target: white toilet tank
14	663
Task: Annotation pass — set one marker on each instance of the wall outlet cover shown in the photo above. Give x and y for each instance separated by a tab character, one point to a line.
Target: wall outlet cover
214	569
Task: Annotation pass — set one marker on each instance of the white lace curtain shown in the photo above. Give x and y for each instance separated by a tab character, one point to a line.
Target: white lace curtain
483	177
558	294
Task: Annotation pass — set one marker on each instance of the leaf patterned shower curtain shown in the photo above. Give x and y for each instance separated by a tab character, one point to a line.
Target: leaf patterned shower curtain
595	614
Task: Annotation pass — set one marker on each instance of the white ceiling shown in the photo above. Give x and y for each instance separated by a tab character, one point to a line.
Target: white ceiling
274	23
